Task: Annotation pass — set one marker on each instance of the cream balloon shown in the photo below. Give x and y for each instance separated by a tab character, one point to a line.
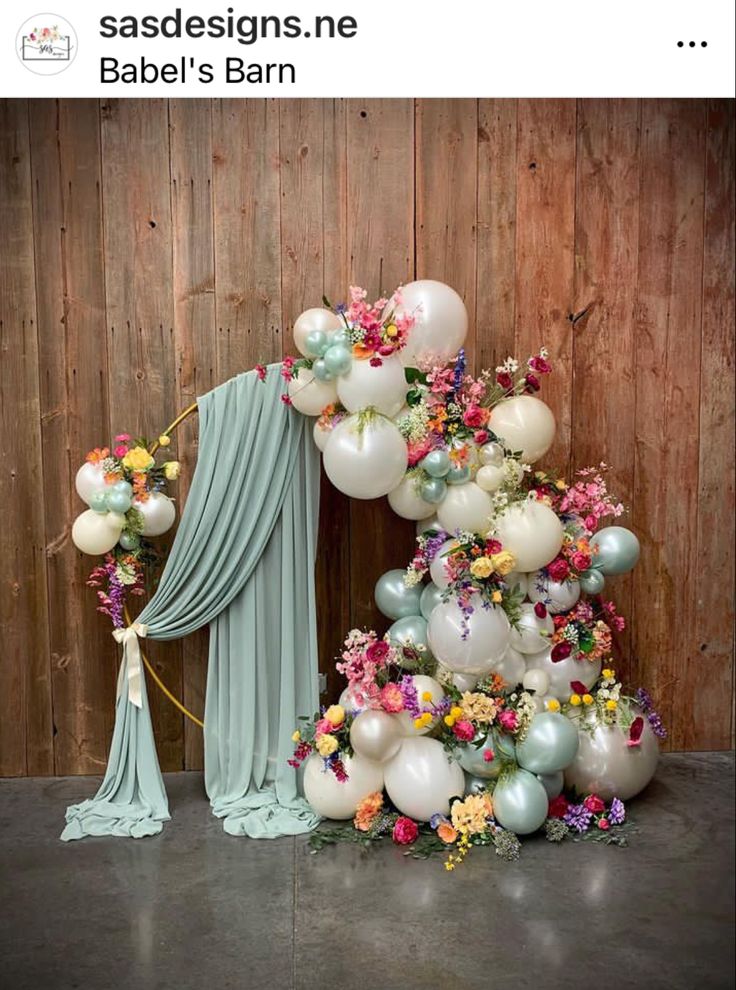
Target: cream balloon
375	735
437	568
421	779
310	396
406	501
517	582
442	322
490	478
465	682
536	680
470	644
558	596
532	532
321	435
368	460
465	507
607	766
89	478
383	387
428	525
337	799
158	513
96	533
511	667
525	424
562	673
531	634
311	320
423	685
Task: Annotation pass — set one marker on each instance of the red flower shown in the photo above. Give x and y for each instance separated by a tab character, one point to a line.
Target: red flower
480	437
581	561
377	652
493	546
540	610
560	651
532	383
558	807
504	379
604	824
375	362
405	831
464	730
475	416
559	569
488	756
594	803
508	720
260	370
579	688
286	399
539	364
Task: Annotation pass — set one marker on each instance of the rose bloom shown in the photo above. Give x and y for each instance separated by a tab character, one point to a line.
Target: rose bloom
391	698
558	807
594	803
464	730
581	561
559	569
322	727
447	833
604	824
508	720
326	745
367	810
377	652
475	416
503	562
480	437
405	831
481	568
335	715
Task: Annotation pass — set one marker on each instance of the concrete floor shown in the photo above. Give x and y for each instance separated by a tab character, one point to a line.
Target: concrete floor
196	908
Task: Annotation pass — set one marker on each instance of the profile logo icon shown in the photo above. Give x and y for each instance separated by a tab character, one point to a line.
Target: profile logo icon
46	44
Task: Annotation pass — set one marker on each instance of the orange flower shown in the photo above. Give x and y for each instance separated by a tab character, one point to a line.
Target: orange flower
447	833
97	455
367	810
112	476
361	352
459	455
140	492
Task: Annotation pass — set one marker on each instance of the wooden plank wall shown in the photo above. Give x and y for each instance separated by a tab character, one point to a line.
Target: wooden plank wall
152	249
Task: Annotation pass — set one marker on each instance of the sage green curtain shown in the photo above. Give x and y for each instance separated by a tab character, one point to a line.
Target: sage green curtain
243	562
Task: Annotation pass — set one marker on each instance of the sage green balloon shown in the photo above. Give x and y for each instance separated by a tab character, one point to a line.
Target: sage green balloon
394	599
129	541
473	755
550	744
321	372
520	802
433	490
436	463
431	597
552	783
316	343
337	359
475	785
410	631
340	337
592	582
98	501
618	550
457	475
118	502
123	486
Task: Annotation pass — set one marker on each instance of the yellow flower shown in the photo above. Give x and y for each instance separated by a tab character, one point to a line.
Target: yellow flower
587	699
553	705
326	745
449	721
164	440
560	485
608	673
427	696
575	699
456	711
335	714
418	723
296	736
496	597
611	705
426	718
138	459
392	330
470	816
481	568
503	562
171	470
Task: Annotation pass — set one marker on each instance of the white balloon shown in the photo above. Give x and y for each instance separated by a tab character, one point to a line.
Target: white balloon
525	424
95	532
308	395
558	596
314	319
442	322
90	478
532	532
528	636
423	684
606	765
365	462
536	680
337	799
465	507
158	513
510	667
563	672
406	501
421	779
432	524
490	478
383	387
468	645
321	435
465	682
518	580
375	735
437	568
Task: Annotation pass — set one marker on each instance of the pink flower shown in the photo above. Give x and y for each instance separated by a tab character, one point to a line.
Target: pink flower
504	380
375	362
604	824
508	720
286	399
464	730
591	523
405	831
581	561
417	451
594	803
538	363
475	416
480	437
377	652
323	727
260	370
120	451
391	698
122	438
488	756
532	383
559	569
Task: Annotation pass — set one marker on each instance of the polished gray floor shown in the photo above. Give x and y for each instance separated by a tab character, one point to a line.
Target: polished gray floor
196	908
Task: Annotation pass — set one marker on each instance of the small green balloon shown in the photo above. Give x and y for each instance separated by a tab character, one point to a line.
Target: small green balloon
433	490
431	597
321	372
393	598
118	502
124	487
592	582
316	343
98	500
338	359
520	802
618	550
411	631
129	541
436	463
550	744
340	337
457	475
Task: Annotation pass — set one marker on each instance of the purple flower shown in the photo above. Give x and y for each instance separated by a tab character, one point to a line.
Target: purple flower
459	370
433	545
578	817
617	812
410	696
644	699
436	820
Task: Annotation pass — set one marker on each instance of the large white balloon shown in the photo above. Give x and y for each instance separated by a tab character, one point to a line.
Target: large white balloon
465	507
518	582
532	532
383	387
472	644
367	461
423	685
562	673
321	435
437	569
375	735
525	424
442	322
510	667
310	396
90	478
431	525
421	779
158	513
337	799
531	634
95	532
406	501
314	319
558	596
606	765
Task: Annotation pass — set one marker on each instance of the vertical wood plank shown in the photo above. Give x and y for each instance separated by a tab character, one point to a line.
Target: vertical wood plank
446	164
496	244
545	234
705	712
26	735
194	340
138	284
65	142
667	405
380	197
606	260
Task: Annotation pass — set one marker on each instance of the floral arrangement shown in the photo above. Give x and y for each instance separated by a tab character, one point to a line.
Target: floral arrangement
327	734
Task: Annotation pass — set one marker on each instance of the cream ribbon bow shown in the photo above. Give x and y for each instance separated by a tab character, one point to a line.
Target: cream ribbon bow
131	665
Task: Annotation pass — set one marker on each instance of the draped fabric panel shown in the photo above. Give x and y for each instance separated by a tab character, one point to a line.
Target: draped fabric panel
243	562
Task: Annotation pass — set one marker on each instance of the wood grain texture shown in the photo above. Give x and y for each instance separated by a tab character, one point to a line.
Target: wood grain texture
152	249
